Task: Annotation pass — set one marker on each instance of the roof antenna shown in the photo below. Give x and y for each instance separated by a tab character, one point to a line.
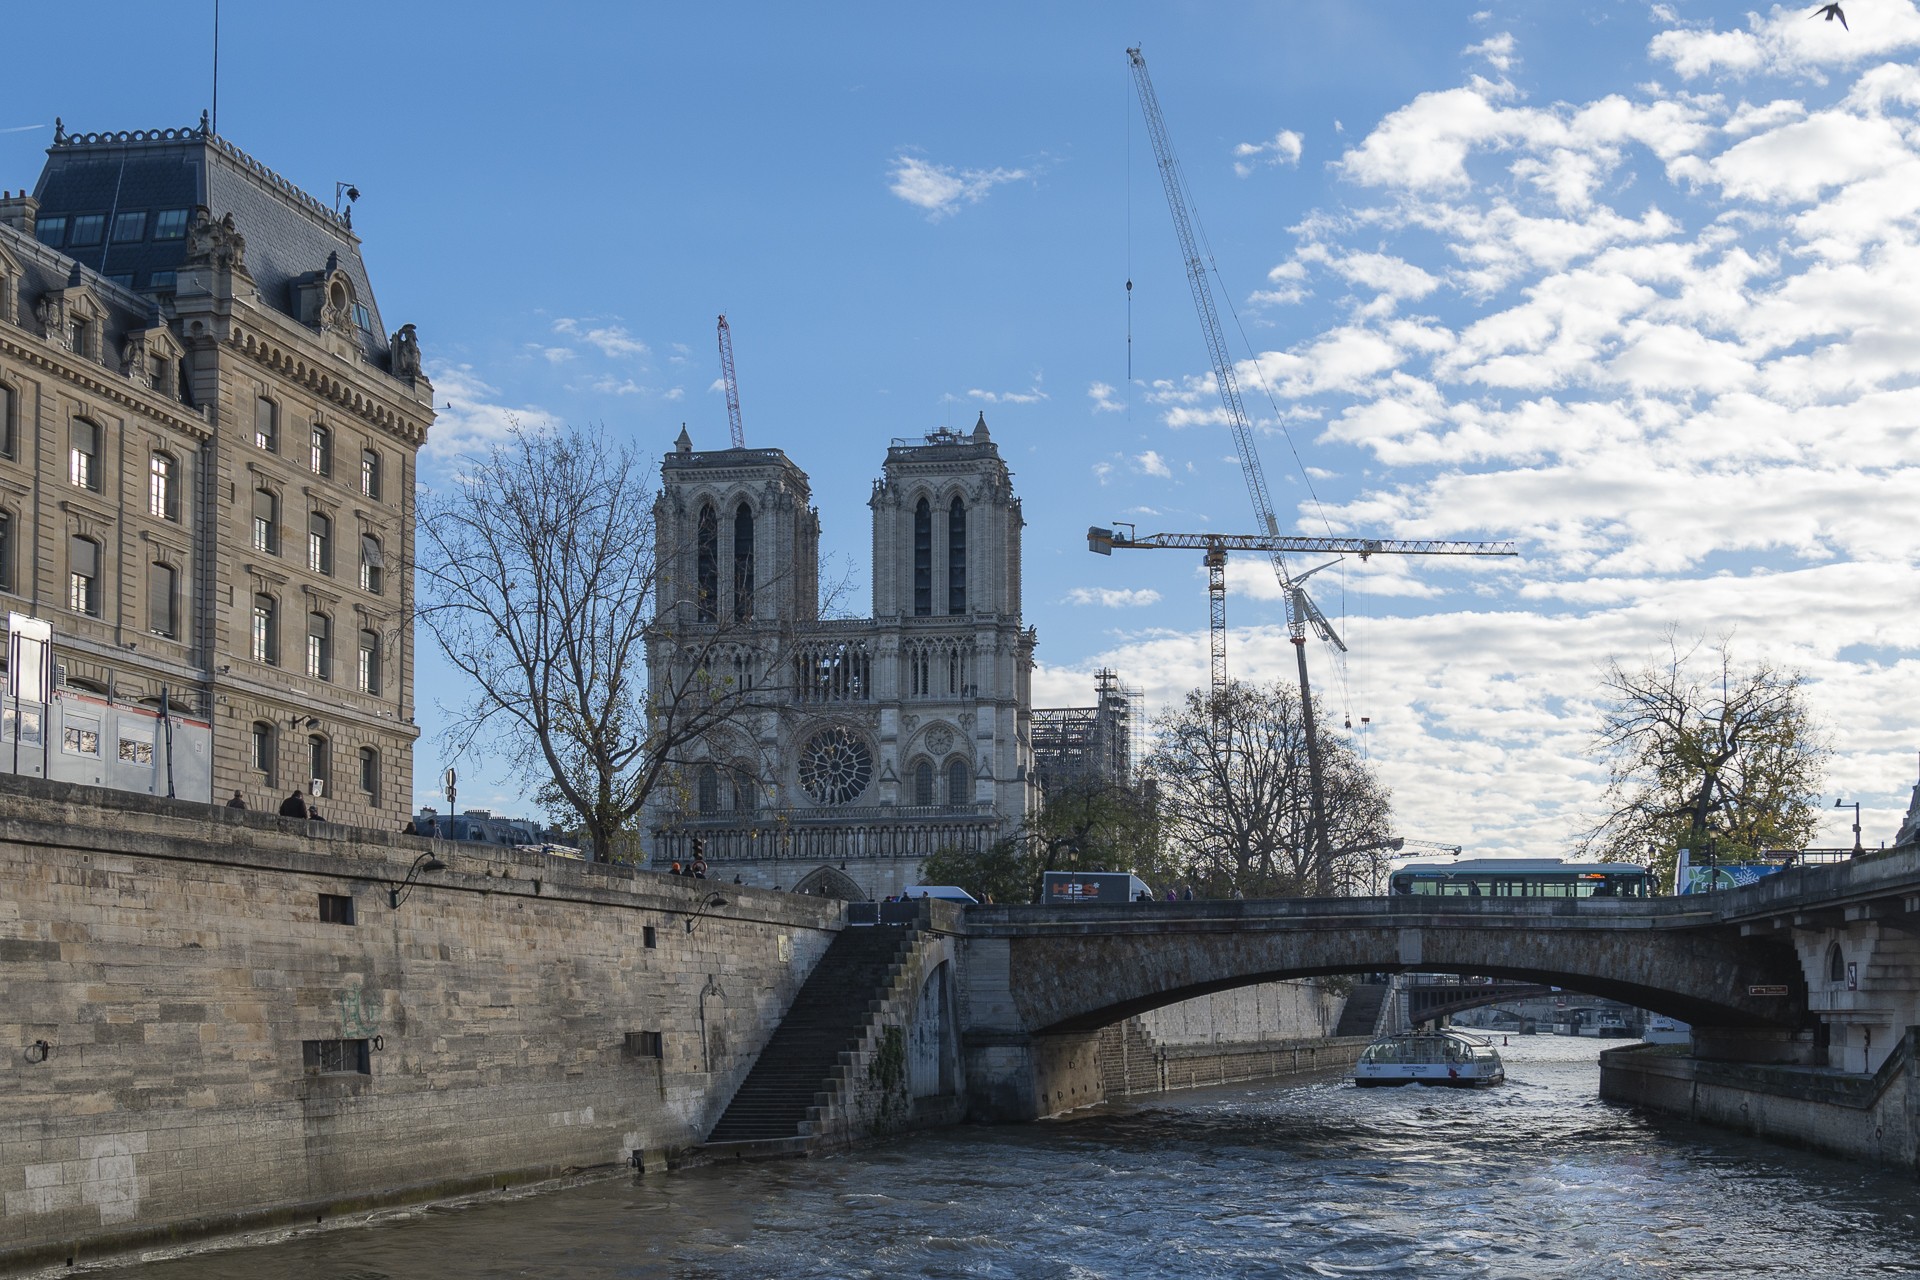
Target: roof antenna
216	67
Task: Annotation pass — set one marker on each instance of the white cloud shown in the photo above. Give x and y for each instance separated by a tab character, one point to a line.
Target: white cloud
1151	463
470	417
1284	149
1497	50
1113	597
1033	395
941	190
610	340
1104	398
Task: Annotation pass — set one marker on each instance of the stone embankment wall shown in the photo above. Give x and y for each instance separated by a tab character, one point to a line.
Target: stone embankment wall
1858	1117
196	1038
1272	1031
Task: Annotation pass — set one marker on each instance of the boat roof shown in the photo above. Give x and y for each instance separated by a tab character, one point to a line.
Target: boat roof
1511	866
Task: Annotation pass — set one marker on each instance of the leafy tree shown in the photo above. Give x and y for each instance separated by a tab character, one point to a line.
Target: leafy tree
1085	824
539	573
1708	753
1236	796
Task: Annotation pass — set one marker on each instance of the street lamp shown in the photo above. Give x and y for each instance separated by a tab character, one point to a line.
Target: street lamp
1841	804
425	862
711	902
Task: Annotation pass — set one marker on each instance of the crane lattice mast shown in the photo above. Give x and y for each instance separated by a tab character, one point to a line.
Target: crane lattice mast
733	388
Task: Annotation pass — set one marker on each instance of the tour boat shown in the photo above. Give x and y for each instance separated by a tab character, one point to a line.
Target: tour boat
1451	1058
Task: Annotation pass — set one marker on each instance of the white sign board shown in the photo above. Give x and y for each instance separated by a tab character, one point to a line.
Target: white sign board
29	658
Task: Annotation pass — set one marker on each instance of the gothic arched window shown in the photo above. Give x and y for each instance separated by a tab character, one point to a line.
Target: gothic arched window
708	544
743	564
922	560
959	783
956	557
923	784
709	800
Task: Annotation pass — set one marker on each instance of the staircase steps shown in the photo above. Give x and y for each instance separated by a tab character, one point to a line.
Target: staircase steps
1363	1009
801	1064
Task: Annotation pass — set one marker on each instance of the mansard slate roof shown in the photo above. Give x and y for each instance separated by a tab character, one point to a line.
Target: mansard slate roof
289	234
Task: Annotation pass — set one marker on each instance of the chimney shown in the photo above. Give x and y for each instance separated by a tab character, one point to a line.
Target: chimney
18	211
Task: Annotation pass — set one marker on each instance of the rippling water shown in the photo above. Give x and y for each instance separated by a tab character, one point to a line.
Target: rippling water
1536	1179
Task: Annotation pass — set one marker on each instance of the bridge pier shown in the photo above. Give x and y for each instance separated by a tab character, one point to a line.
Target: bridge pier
1771	1046
1013	1078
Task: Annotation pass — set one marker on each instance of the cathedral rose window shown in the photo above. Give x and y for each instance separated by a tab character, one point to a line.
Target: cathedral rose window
835	766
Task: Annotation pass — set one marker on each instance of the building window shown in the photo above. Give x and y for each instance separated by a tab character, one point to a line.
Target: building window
320	450
1836	964
370	474
956	558
86	230
709	790
160	280
373	563
170	224
923	784
319	543
336	908
163	617
163	487
51	231
959	784
369	672
319	647
80	740
370	775
6	551
129	227
649	937
645	1044
318	762
335	1058
743	564
136	751
83	455
263	734
266	424
922	560
159	371
266	632
708	553
266	522
83	577
79	337
9	412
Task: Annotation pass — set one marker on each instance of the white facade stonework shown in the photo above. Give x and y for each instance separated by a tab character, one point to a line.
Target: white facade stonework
869	743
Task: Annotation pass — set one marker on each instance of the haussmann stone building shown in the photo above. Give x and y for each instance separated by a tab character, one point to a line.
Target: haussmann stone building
207	447
871	742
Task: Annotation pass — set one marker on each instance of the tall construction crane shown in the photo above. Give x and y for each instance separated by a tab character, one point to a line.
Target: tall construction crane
733	388
1301	613
1300	610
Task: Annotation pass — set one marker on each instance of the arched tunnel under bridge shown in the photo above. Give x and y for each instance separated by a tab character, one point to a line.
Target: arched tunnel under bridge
1042	981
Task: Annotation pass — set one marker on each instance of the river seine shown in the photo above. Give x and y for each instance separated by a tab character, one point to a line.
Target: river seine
1537	1178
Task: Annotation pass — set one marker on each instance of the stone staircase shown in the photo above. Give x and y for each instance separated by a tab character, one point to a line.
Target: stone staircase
801	1075
1362	1013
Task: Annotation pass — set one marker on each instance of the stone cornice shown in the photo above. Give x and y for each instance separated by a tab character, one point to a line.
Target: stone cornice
102	382
345	393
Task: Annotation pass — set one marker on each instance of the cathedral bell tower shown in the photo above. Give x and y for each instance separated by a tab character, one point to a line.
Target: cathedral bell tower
739	540
946	529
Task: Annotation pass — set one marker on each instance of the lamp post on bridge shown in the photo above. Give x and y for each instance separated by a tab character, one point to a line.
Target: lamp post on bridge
1841	804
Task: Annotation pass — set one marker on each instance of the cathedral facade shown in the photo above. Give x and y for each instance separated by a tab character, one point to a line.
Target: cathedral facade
860	745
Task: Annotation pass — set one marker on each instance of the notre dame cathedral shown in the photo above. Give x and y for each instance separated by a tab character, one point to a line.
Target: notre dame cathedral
871	742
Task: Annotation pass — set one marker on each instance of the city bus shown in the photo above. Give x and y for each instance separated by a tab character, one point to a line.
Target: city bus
1521	878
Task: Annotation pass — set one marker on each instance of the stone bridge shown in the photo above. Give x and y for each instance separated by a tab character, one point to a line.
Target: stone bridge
1751	969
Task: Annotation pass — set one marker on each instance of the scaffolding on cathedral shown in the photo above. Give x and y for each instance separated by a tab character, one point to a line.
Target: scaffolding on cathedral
1102	742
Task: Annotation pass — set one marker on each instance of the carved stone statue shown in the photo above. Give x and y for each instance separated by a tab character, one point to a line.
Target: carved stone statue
406	353
216	244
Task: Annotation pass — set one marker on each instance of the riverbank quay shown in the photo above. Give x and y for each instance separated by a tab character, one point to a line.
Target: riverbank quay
219	1020
1853	1115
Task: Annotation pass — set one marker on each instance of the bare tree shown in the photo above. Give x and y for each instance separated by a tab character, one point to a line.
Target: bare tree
539	576
1707	753
1235	800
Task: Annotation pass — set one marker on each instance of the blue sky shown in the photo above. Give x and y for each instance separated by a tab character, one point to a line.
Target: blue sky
1632	284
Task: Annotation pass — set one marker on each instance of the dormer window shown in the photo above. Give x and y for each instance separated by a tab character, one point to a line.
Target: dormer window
51	231
129	227
86	230
170	224
363	318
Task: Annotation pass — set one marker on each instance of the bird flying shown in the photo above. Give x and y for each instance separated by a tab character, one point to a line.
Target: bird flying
1832	11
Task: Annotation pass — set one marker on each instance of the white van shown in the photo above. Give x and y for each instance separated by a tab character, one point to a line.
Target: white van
946	892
